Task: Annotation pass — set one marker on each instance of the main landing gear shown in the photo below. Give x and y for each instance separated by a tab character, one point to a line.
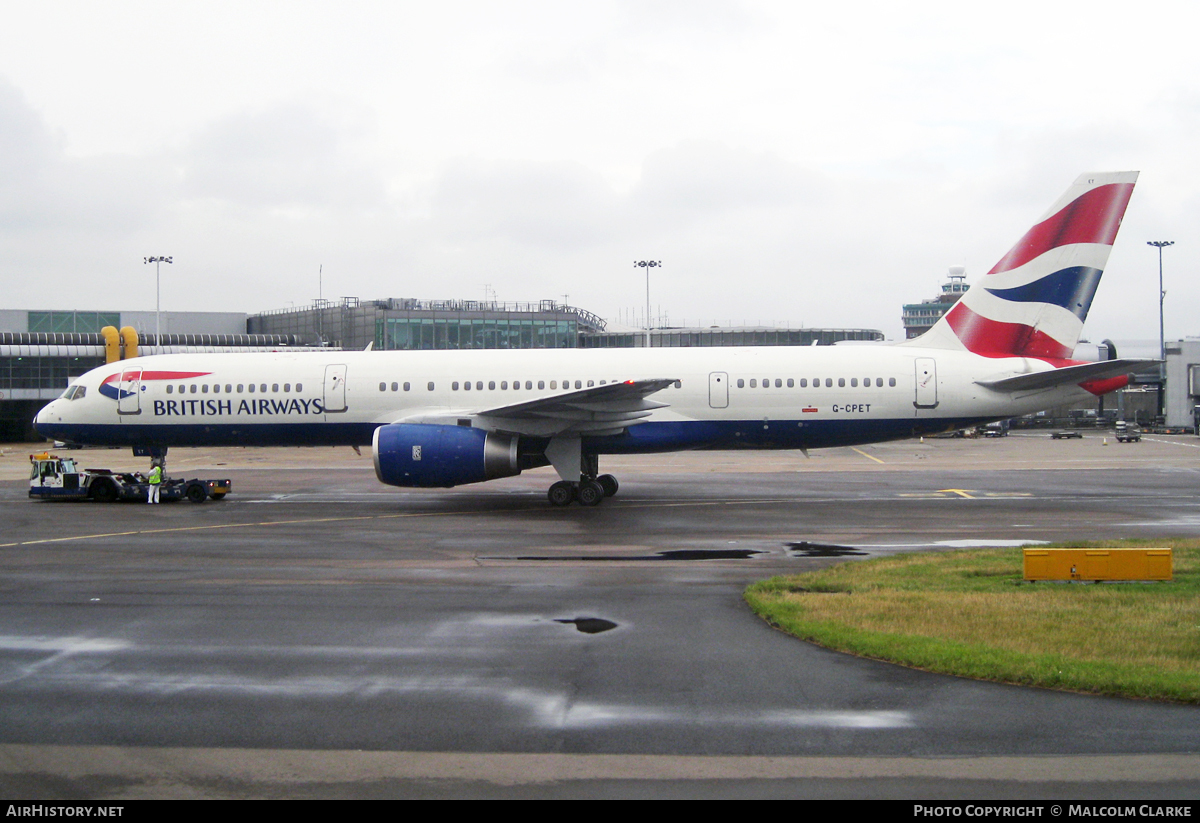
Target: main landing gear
587	492
568	459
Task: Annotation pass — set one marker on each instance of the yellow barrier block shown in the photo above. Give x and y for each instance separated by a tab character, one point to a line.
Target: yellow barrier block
1098	564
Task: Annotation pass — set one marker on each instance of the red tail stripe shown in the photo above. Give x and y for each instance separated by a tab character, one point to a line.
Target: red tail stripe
1093	217
992	338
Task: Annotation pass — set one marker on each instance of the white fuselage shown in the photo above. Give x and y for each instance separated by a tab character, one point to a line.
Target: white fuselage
776	397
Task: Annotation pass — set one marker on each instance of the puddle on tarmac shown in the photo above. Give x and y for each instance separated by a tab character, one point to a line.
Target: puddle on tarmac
677	554
806	549
589	625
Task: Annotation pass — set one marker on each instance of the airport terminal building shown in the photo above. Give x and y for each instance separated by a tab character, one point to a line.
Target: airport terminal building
42	351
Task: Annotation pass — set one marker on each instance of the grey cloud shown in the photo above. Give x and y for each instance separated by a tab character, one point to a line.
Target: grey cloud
565	206
288	156
709	177
41	188
553	205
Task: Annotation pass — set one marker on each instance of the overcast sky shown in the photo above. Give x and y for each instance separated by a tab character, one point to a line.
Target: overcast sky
789	163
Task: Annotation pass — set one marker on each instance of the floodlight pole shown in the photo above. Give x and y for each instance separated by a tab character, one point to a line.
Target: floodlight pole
1162	340
157	261
647	265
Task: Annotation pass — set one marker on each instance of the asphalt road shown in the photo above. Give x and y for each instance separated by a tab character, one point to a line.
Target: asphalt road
319	635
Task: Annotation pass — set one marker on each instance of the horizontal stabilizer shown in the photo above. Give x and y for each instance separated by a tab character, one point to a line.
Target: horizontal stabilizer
1069	375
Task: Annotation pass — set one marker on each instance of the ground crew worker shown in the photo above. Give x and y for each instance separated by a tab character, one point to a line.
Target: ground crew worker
156	478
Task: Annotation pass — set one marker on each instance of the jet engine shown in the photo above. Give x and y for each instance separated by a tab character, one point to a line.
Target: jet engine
421	454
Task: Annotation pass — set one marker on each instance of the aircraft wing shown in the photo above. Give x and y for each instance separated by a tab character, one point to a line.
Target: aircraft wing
598	410
1081	373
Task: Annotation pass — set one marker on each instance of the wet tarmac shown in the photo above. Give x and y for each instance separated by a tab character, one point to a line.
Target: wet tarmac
316	634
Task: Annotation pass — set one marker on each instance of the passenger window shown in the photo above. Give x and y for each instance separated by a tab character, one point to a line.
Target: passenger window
262	387
407	386
753	383
829	382
491	385
193	389
679	384
287	386
170	388
240	387
591	383
252	388
553	384
204	389
216	388
804	382
454	386
395	387
299	387
879	382
529	384
229	388
892	381
778	383
841	382
275	387
791	383
503	385
741	383
429	385
854	382
466	385
578	384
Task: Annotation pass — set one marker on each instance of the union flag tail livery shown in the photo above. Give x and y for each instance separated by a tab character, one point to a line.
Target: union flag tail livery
1034	301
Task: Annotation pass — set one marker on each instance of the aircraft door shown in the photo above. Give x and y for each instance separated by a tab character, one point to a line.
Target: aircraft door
718	390
129	392
926	374
335	389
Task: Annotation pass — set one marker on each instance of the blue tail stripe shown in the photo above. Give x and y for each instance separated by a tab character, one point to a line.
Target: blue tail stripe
1072	288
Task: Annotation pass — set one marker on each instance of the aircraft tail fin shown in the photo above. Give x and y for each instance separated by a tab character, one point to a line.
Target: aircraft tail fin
1034	301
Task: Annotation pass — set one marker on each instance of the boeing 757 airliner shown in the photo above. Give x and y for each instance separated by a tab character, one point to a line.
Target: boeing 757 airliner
445	418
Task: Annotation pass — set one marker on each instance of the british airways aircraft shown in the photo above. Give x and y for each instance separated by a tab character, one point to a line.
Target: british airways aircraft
446	418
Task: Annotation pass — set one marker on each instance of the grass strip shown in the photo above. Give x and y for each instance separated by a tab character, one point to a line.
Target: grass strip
970	614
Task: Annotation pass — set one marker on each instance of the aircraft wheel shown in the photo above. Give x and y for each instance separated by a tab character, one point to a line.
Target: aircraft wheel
609	484
590	493
561	493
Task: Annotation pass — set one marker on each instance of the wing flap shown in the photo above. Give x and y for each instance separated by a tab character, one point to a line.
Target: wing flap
597	410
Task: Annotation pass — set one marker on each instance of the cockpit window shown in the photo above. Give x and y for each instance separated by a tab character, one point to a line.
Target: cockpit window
74	392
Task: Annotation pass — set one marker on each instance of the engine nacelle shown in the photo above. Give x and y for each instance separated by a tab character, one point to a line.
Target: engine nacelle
419	454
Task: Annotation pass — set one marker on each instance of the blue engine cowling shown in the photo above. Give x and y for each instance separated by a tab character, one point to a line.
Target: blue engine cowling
419	454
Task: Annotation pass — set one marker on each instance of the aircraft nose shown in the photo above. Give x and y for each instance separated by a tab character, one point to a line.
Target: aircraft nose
46	416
